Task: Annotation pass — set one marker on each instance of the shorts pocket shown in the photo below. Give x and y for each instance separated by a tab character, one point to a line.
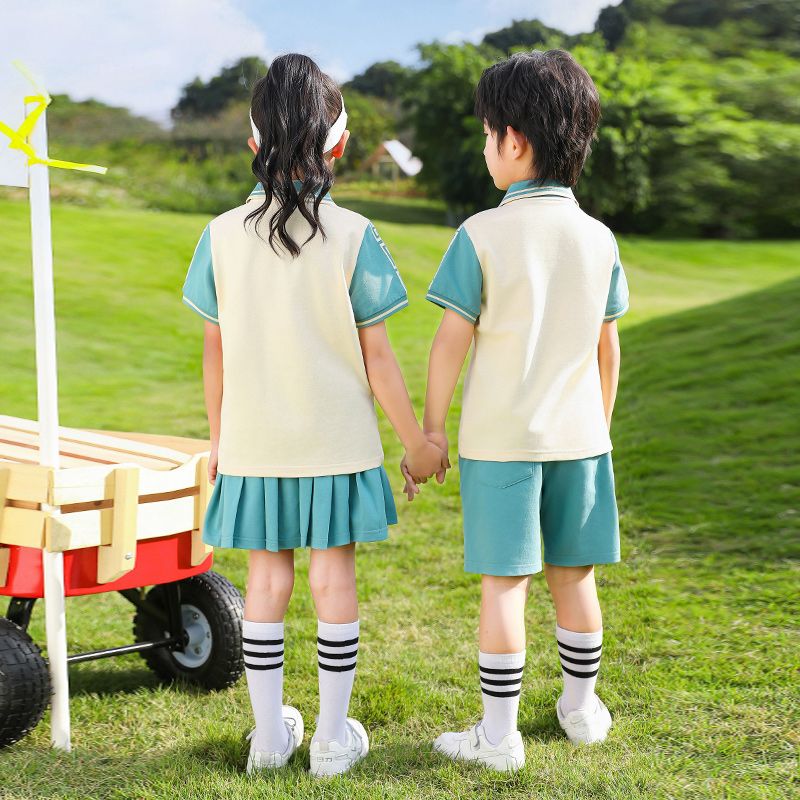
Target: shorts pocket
503	474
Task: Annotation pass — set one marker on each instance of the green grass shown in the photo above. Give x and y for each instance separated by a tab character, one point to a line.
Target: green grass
700	654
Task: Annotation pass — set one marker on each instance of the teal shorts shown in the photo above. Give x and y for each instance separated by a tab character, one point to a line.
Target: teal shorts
511	507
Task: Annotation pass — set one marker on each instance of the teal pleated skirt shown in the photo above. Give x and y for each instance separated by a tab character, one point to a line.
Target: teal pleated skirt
285	513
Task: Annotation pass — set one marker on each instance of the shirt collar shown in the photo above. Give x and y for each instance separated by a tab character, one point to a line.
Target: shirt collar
258	193
531	188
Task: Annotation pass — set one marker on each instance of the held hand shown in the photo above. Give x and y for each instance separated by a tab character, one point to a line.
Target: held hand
212	466
424	460
410	489
439	438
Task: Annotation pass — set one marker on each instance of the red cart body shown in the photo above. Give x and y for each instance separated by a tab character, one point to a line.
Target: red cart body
157	561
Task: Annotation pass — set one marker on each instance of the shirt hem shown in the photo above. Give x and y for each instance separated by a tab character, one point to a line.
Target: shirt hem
534	455
345	468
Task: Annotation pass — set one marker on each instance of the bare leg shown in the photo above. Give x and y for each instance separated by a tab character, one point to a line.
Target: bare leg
579	633
269	587
501	658
332	575
502	625
575	597
270	581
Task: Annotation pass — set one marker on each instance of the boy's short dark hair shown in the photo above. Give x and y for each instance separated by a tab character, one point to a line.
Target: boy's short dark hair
550	98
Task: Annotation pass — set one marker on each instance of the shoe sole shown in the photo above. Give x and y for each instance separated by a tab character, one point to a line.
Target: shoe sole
503	764
314	769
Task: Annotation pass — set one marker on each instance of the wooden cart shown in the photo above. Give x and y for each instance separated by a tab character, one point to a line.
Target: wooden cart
126	510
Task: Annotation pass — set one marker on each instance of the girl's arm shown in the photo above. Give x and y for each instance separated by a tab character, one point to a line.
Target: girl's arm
212	385
383	372
608	359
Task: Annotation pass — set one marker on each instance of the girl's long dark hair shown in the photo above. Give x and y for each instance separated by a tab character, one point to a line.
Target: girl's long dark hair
293	107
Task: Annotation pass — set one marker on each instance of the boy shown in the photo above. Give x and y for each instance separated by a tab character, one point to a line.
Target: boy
538	285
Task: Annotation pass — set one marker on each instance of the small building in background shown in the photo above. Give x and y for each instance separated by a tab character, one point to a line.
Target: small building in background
392	159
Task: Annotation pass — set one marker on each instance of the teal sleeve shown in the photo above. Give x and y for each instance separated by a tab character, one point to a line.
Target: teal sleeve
376	288
617	302
199	291
458	283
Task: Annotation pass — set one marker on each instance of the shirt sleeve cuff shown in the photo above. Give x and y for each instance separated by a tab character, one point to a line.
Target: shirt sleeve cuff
445	302
385	313
615	314
200	311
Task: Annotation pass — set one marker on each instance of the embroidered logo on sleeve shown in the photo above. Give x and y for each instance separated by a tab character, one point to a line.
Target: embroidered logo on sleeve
388	255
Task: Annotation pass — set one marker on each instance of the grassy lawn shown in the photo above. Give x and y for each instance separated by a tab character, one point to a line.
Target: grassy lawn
699	665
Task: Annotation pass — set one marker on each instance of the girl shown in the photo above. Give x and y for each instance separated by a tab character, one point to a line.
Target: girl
295	292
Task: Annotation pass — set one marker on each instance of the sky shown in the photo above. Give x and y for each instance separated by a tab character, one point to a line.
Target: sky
139	53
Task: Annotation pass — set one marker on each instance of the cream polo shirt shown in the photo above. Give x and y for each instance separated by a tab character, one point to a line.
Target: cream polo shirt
295	398
538	277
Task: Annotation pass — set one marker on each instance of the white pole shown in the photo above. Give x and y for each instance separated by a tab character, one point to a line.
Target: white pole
47	396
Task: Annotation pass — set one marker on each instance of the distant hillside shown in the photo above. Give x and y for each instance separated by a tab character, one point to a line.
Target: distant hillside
88	122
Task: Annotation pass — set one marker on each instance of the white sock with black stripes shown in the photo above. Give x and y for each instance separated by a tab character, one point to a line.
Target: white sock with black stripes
501	680
263	665
337	648
580	663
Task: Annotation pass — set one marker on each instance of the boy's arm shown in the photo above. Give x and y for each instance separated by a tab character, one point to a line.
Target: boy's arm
389	388
608	359
448	351
212	385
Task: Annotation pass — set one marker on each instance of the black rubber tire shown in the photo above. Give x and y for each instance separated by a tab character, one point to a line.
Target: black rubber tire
223	606
24	683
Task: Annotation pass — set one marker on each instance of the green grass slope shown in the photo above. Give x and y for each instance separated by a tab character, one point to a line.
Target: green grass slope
699	658
707	428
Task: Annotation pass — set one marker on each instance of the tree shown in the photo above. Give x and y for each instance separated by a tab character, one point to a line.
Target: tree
206	99
528	33
369	123
616	180
612	23
385	79
449	139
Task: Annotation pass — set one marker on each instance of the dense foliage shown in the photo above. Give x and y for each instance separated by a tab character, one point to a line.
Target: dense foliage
700	134
205	99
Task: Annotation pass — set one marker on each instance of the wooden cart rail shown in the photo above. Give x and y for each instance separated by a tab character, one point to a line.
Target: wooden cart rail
110	492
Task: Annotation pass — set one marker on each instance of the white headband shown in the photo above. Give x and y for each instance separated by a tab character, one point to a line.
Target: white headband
334	133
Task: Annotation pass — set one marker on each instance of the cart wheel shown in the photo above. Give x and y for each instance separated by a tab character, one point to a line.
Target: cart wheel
211	611
24	683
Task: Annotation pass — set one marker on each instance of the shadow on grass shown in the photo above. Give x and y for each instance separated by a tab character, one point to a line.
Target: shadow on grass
85	680
706	428
542	728
227	754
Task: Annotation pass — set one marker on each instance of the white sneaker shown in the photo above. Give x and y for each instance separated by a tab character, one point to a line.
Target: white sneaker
260	759
508	755
585	726
334	758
